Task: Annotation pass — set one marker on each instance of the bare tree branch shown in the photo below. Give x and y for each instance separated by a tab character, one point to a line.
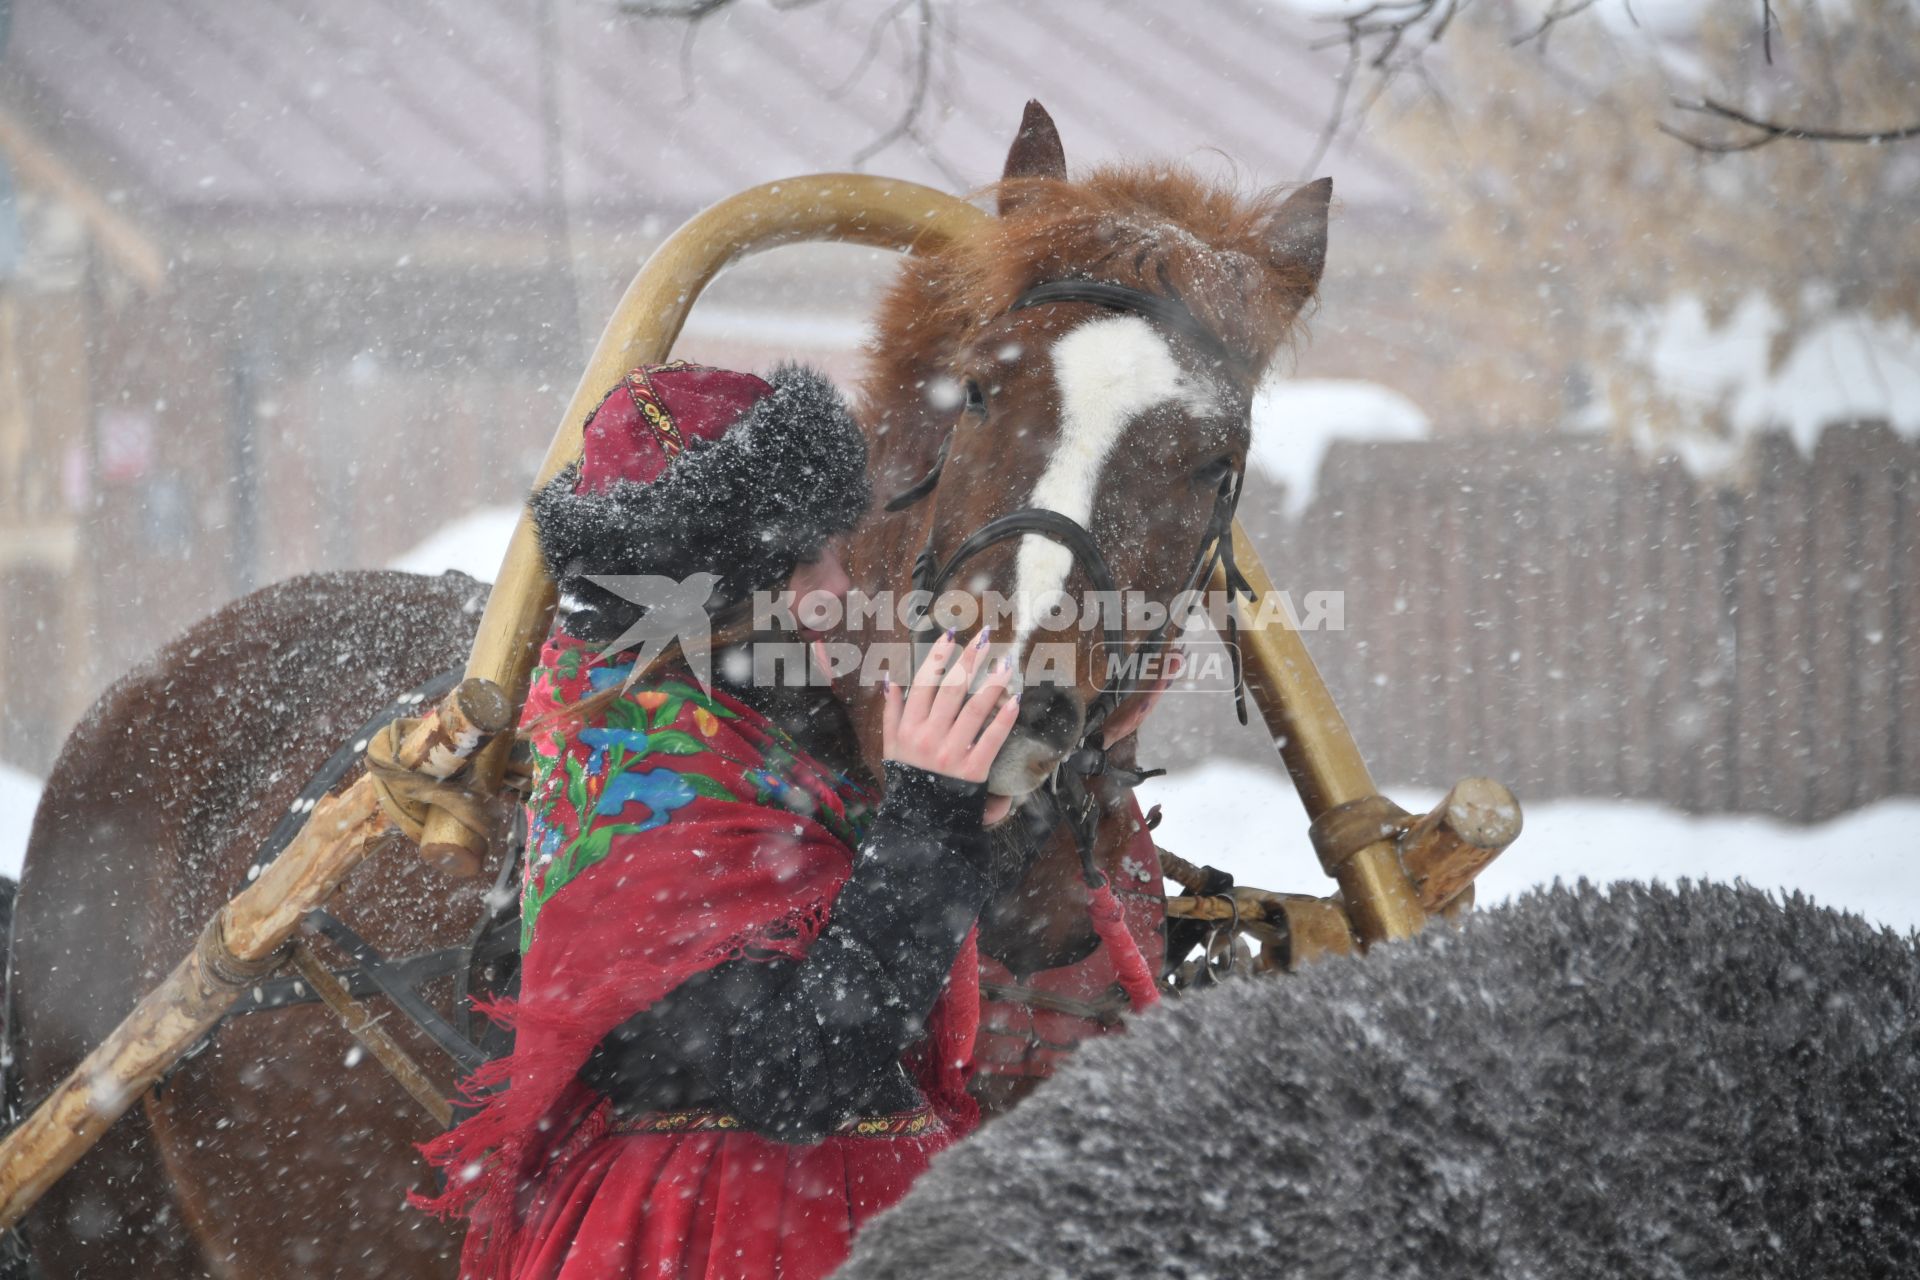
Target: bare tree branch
1774	131
917	95
1383	39
906	126
687	35
875	34
1388	38
1557	12
1332	126
1766	29
672	8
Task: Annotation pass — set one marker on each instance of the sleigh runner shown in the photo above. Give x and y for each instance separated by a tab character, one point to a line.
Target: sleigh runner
441	781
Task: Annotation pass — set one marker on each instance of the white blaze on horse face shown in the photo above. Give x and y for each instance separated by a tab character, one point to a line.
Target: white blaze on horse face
1108	372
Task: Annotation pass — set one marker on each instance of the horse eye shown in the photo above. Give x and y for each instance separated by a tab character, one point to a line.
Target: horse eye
976	398
1213	474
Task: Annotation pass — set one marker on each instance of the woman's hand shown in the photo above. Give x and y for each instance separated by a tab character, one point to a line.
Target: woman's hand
937	725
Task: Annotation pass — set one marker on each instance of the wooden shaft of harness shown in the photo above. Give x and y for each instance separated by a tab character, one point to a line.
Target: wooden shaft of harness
365	1028
851	208
245	941
1320	755
1445	849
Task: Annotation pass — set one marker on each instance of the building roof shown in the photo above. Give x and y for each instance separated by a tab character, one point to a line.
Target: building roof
313	112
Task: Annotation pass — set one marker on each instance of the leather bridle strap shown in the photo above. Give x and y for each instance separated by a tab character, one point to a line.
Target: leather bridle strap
925	484
1042	521
1169	313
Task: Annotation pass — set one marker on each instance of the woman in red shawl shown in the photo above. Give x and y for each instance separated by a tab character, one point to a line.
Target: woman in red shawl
748	993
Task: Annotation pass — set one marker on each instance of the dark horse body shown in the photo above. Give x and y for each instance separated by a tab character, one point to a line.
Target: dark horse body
276	1151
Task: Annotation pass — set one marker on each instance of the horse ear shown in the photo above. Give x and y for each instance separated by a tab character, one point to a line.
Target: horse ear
1036	152
1297	231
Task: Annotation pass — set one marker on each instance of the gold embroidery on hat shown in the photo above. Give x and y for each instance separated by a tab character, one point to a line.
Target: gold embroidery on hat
665	431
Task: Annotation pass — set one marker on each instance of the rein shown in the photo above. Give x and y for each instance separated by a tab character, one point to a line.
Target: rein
1068	799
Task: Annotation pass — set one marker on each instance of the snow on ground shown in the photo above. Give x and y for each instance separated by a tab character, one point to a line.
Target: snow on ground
1247	820
1295	420
474	544
19	795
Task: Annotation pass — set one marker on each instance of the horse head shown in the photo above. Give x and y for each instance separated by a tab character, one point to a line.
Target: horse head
1059	408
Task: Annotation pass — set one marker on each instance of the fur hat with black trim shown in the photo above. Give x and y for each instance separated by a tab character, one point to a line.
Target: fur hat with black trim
687	469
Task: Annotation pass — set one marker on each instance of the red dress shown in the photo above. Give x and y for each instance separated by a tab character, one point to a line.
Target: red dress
679	830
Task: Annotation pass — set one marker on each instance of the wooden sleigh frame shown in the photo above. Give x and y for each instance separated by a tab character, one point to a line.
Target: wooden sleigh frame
1393	870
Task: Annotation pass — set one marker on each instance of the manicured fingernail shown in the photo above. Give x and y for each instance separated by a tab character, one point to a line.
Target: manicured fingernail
949	635
886	683
980	641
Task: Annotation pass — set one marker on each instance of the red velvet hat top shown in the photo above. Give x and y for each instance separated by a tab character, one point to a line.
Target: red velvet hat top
652	416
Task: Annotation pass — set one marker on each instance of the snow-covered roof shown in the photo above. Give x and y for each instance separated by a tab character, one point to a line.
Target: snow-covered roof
1756	373
432	108
473	544
1296	420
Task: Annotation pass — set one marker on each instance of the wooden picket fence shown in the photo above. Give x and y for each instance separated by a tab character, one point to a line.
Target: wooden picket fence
1578	621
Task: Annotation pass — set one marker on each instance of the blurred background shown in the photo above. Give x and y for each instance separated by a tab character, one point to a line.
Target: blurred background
1605	425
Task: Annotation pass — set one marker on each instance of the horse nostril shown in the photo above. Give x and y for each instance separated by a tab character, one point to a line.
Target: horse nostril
1051	713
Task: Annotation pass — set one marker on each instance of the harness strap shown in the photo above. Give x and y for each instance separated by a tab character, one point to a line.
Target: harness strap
925	484
405	795
1344	830
1168	312
396	988
219	964
377	1040
372	972
283	991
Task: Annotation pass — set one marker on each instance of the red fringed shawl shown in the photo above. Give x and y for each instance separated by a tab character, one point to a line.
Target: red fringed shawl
677	830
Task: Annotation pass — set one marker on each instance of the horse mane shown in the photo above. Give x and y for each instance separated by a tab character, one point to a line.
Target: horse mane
1161	228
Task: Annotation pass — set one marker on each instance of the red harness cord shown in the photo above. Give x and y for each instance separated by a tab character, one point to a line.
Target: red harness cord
1136	979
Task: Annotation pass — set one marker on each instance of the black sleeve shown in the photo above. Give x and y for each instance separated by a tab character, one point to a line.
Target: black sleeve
793	1047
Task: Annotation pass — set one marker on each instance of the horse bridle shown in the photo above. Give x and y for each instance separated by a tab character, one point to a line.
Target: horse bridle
1070	800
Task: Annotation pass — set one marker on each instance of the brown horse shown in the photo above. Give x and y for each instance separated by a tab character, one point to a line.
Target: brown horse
274	1152
1127	426
278	1151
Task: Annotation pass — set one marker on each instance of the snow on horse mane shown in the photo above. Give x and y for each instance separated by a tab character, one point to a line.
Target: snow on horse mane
1637	1082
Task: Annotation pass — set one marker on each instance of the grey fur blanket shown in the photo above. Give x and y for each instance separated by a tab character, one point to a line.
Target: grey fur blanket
1642	1082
